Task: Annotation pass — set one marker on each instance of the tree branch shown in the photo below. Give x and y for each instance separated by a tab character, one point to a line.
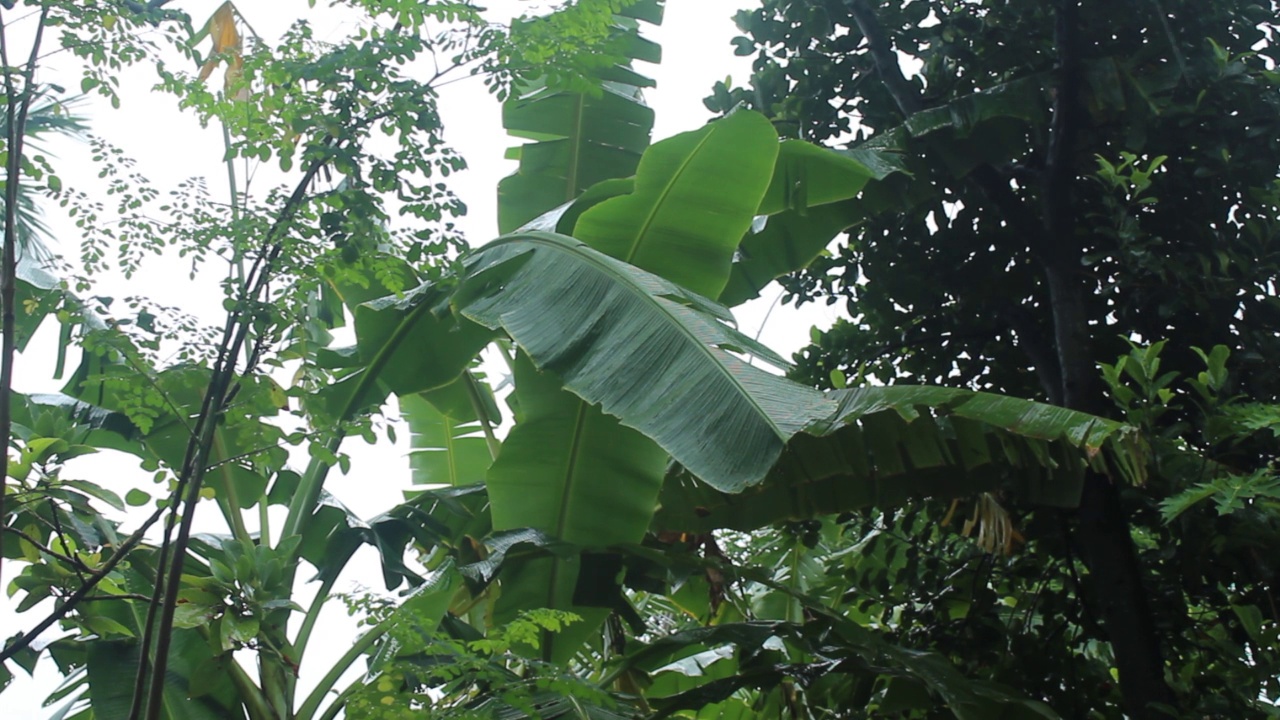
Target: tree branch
984	177
16	109
905	96
235	332
74	562
82	593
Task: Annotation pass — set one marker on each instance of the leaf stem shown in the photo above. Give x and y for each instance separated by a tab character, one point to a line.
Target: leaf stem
250	694
313	612
331	678
486	423
339	702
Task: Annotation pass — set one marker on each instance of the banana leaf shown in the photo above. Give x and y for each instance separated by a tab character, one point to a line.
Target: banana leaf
413	343
448	443
695	196
577	475
885	445
196	686
580	138
657	357
809	202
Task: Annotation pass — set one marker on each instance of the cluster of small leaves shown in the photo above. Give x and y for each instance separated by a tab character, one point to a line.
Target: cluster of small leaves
327	103
110	37
244	589
1214	498
134	233
60	533
436	675
567	48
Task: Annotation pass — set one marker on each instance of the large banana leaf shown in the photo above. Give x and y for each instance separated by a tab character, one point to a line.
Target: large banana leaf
809	202
579	476
567	468
449	445
885	445
413	343
651	353
581	138
695	195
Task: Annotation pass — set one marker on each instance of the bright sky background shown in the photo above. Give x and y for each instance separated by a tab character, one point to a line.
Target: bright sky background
170	146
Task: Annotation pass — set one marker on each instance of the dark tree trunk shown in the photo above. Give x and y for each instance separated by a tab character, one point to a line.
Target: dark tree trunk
1103	531
1103	534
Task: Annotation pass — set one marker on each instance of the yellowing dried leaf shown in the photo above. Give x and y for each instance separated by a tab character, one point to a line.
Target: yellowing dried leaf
222	29
226	41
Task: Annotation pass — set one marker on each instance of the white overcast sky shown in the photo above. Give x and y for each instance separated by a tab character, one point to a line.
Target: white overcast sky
170	146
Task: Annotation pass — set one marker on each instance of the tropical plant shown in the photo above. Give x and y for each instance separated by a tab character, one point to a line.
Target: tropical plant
642	434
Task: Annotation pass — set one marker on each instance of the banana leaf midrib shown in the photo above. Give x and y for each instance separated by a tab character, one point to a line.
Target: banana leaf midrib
309	491
594	258
657	206
579	422
449	450
575	148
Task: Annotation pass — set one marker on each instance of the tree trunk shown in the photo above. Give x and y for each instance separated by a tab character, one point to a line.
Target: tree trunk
1103	526
1102	530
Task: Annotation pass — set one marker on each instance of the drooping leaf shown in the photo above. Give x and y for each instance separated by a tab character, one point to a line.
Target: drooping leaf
428	518
885	445
649	352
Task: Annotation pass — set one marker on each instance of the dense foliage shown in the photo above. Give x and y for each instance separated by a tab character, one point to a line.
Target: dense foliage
660	523
1081	176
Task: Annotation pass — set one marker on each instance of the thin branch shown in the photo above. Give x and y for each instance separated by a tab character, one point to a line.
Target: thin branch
195	462
16	109
1043	359
74	562
80	594
256	451
57	530
121	596
905	96
477	404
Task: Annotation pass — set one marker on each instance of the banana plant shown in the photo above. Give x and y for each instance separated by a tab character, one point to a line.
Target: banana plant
636	418
626	372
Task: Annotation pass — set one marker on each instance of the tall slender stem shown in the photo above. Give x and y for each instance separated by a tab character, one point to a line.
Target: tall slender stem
195	462
313	613
16	109
331	678
486	423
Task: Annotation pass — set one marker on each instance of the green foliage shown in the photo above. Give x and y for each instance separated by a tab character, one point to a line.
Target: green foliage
1136	161
435	675
572	567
